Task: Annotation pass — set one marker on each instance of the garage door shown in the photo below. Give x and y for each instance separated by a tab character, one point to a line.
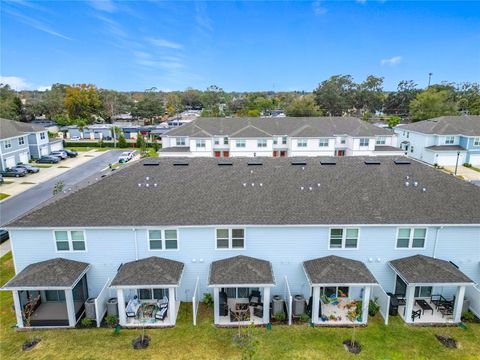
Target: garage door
24	157
44	150
56	146
450	159
10	162
475	159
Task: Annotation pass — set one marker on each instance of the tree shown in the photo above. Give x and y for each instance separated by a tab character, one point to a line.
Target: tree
192	99
393	121
303	106
432	103
150	107
468	95
174	103
114	103
369	95
82	101
10	104
336	95
398	102
122	143
213	100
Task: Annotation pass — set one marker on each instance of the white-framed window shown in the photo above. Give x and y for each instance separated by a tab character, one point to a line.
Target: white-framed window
230	238
162	239
240	143
239	293
70	240
411	149
7	144
334	291
42	136
449	140
323	142
225	140
152	294
216	141
284	140
343	238
275	141
364	142
180	141
381	140
262	143
411	238
476	141
21	140
343	140
302	142
408	134
423	291
200	143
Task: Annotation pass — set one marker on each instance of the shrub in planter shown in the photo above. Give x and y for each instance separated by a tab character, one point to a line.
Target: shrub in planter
86	322
373	308
280	316
111	320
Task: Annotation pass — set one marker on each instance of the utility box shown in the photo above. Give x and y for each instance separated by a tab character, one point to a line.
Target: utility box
278	305
90	308
112	306
298	305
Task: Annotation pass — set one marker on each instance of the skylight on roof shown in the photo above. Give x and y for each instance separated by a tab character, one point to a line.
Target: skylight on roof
225	163
151	164
328	162
401	162
180	163
298	162
254	163
372	162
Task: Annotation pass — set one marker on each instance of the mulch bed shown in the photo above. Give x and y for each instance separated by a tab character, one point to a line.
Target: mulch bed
139	344
30	344
448	342
354	348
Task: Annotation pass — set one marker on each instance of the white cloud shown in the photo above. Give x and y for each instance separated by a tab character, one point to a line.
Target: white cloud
103	5
391	61
201	17
18	83
44	87
165	43
318	9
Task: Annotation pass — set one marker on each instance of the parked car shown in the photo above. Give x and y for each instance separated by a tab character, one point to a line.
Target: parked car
30	169
60	154
48	160
70	153
126	156
107	138
75	138
4	236
14	172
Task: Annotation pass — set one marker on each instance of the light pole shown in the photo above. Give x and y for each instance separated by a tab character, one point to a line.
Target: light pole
429	78
456	164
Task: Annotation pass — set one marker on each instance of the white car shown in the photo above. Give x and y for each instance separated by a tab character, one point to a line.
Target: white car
125	156
75	138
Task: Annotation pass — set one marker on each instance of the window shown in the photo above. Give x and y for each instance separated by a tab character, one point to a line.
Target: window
21	140
476	141
411	238
236	293
225	140
216	141
423	291
230	238
334	291
70	240
408	134
449	140
55	295
323	142
411	148
240	143
42	136
152	294
364	142
200	143
180	141
302	142
343	238
163	239
343	140
8	144
261	143
381	140
284	140
275	141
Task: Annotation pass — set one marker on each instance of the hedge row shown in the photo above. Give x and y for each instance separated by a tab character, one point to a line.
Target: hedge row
105	144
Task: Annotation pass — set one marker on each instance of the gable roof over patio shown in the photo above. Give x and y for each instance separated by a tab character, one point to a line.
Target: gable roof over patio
56	273
153	272
241	270
337	270
421	269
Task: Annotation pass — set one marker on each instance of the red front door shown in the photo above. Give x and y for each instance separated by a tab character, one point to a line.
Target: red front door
340	152
226	154
274	154
283	153
217	153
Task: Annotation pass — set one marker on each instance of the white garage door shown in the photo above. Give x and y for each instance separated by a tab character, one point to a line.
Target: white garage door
56	147
450	159
44	150
10	162
24	157
475	159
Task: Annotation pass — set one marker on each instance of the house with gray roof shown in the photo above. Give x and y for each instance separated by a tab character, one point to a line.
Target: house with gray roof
445	141
306	236
280	137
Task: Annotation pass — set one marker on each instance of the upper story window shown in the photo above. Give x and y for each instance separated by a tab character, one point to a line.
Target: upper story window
343	140
73	240
411	238
216	141
476	141
381	140
225	140
284	140
166	239
21	140
200	143
364	142
261	143
323	142
7	144
343	238
275	141
302	142
240	143
449	140
42	136
230	239
408	134
180	141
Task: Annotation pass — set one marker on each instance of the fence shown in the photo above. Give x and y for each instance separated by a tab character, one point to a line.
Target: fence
383	300
472	293
288	300
195	301
101	303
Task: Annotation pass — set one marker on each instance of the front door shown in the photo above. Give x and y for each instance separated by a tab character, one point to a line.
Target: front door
283	153
217	153
226	154
340	152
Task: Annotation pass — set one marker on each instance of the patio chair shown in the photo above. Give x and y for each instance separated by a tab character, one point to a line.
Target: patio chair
416	314
254	298
437	300
446	310
258	311
160	315
132	307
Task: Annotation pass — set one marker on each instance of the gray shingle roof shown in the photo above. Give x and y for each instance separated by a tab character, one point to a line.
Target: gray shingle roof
204	193
445	148
241	270
56	272
176	149
447	125
153	271
11	128
337	270
292	126
421	269
381	148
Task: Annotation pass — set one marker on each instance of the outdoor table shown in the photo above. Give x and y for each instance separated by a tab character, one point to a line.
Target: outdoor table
424	306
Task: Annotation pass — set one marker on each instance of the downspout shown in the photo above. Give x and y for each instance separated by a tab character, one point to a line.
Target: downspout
436	242
136	243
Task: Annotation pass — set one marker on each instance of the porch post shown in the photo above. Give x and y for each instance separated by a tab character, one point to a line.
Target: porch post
315	301
72	319
365	303
457	308
409	299
216	305
122	316
172	305
18	308
266	305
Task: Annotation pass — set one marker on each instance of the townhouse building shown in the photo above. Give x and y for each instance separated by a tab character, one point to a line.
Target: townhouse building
337	232
444	141
279	137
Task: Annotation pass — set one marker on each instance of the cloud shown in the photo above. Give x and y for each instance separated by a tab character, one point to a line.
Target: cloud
165	43
391	61
103	5
202	19
164	62
112	26
318	9
15	82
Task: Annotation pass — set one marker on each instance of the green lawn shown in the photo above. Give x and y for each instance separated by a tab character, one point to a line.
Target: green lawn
3	196
395	341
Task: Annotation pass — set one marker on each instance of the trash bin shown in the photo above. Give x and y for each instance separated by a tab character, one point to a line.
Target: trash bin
90	308
298	305
393	309
466	305
112	306
277	305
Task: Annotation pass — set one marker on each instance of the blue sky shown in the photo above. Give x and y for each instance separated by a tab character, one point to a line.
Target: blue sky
243	46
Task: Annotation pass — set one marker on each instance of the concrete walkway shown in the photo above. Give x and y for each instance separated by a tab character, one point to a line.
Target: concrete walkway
466	173
5	248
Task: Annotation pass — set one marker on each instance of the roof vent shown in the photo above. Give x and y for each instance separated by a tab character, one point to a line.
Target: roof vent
451	262
328	162
151	164
180	163
372	162
254	163
299	162
225	163
401	162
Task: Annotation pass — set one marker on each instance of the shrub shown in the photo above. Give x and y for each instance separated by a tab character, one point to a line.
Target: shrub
86	322
373	308
304	318
467	165
468	316
280	316
111	320
122	143
208	299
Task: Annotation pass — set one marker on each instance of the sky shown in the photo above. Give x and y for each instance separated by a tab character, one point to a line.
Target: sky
239	46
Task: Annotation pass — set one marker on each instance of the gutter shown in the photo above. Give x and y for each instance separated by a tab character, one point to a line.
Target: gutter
436	242
135	242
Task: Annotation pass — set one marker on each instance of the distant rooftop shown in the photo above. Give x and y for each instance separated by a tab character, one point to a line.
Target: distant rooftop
11	128
468	125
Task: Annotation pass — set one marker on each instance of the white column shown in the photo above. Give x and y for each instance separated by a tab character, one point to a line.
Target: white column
365	303
18	308
72	320
457	307
122	316
172	305
315	301
216	305
266	305
409	299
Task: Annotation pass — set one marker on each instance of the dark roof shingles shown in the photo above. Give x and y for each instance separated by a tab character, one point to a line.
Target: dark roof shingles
468	125
241	270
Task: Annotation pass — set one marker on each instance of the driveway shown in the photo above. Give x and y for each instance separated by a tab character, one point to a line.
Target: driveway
12	208
466	173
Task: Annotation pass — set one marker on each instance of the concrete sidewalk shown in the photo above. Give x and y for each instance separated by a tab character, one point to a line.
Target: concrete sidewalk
466	173
5	248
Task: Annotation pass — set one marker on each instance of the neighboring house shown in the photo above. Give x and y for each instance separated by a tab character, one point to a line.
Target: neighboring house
443	141
97	132
333	231
20	142
279	137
